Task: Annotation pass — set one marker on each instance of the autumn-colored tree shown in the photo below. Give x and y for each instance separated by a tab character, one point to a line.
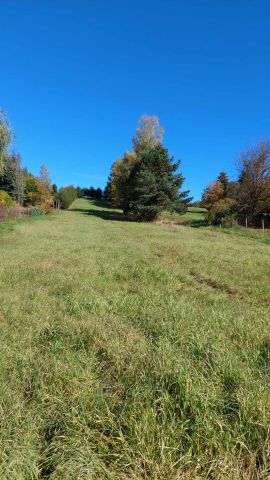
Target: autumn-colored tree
264	201
45	178
222	212
120	180
145	181
212	194
36	194
254	175
148	134
5	199
33	190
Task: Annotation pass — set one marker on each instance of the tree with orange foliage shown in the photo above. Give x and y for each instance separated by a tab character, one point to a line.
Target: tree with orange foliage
212	194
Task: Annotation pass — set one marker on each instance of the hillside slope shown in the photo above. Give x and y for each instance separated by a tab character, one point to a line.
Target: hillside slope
132	351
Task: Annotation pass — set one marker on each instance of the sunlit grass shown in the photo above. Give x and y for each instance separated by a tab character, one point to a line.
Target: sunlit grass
194	217
131	350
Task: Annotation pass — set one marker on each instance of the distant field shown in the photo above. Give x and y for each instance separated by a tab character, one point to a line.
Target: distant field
133	351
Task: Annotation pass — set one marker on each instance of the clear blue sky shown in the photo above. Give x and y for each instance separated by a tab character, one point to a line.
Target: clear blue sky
75	76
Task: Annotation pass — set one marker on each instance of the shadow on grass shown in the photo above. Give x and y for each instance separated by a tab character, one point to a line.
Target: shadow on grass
198	223
105	211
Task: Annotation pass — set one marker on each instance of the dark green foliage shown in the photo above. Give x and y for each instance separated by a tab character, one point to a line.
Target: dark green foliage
223	212
79	192
13	176
144	182
7	179
107	189
224	180
98	194
67	195
90	192
154	185
233	190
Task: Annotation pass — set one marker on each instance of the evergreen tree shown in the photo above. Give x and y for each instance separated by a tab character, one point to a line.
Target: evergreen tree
79	192
224	180
99	193
154	185
107	189
7	179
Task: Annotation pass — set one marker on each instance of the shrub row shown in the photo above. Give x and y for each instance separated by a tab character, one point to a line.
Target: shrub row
66	196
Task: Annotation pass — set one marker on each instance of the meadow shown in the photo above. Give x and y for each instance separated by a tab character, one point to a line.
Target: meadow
131	350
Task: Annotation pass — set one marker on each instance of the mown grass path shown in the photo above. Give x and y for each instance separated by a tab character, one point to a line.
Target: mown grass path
132	351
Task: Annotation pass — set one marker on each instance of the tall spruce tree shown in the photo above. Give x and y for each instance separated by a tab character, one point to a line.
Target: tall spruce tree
154	185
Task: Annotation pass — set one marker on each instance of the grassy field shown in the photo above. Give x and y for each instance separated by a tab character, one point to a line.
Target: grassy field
194	217
133	351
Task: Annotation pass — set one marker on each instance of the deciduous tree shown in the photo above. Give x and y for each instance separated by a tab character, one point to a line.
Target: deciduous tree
212	194
148	134
254	178
224	180
5	138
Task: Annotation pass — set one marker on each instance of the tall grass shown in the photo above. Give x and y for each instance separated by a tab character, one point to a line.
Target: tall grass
132	351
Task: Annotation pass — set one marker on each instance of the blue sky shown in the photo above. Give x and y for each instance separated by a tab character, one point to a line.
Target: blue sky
75	77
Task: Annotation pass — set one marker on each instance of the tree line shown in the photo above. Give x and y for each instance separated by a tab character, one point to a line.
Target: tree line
17	184
246	200
20	187
146	180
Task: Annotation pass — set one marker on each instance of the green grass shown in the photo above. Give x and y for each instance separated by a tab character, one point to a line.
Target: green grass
132	351
194	217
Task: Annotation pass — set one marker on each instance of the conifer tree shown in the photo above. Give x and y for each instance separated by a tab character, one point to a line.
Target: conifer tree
154	185
7	179
224	180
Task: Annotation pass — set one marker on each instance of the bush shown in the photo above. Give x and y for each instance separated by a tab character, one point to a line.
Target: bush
5	199
35	211
222	212
67	195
